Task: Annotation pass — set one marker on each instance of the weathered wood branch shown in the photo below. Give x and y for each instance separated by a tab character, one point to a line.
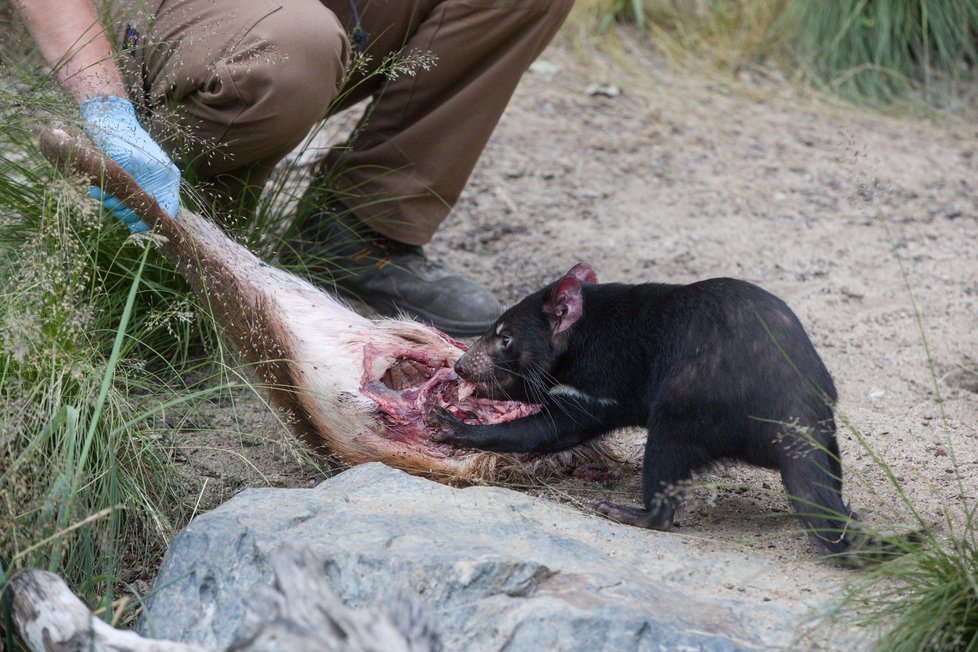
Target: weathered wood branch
298	613
50	618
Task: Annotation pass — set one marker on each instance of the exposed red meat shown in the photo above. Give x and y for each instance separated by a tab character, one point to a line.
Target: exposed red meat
415	381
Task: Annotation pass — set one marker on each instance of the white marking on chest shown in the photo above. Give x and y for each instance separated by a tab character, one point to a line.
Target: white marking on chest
572	392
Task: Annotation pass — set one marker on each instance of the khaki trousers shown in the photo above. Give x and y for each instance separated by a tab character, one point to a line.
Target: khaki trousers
231	87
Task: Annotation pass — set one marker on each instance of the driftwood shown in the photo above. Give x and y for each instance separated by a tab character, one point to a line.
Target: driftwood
48	617
298	613
356	387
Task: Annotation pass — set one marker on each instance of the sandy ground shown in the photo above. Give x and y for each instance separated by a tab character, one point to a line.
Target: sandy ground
866	225
861	223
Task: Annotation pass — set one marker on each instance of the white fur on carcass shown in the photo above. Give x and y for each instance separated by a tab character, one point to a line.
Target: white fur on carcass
326	344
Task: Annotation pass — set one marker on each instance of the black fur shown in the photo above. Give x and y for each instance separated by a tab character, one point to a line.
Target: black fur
718	369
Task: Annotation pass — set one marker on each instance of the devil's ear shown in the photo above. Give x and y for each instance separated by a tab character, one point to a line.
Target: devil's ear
583	273
565	305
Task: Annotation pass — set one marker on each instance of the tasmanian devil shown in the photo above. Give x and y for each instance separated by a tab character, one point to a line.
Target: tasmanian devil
718	369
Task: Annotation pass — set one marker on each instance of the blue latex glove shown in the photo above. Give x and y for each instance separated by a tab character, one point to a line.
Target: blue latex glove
110	122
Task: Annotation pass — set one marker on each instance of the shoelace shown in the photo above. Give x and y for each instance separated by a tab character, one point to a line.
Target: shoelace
359	37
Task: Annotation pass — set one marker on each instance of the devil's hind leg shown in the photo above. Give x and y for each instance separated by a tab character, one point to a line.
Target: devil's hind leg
812	476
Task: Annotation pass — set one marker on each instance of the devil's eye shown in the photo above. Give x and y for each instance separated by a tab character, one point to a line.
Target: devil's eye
505	341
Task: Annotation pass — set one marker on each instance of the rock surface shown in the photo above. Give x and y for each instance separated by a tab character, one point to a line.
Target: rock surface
496	568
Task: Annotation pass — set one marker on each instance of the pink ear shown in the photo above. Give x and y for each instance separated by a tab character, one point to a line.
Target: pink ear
583	273
565	305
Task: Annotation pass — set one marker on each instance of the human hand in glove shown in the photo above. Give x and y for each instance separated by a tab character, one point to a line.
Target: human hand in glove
110	122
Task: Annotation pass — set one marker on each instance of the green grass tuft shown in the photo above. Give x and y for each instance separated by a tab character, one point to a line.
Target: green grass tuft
924	601
883	51
876	52
95	336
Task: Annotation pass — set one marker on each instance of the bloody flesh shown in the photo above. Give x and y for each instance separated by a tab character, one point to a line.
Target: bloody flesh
415	381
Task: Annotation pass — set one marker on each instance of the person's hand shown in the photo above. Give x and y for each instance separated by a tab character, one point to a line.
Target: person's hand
110	122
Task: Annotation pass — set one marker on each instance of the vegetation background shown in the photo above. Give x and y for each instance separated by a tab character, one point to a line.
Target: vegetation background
108	365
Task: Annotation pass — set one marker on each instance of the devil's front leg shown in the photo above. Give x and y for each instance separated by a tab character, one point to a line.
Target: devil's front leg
558	426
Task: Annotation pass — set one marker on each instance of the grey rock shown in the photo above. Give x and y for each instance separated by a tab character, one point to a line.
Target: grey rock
498	569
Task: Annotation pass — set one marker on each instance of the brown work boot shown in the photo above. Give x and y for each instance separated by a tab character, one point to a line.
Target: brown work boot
393	278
